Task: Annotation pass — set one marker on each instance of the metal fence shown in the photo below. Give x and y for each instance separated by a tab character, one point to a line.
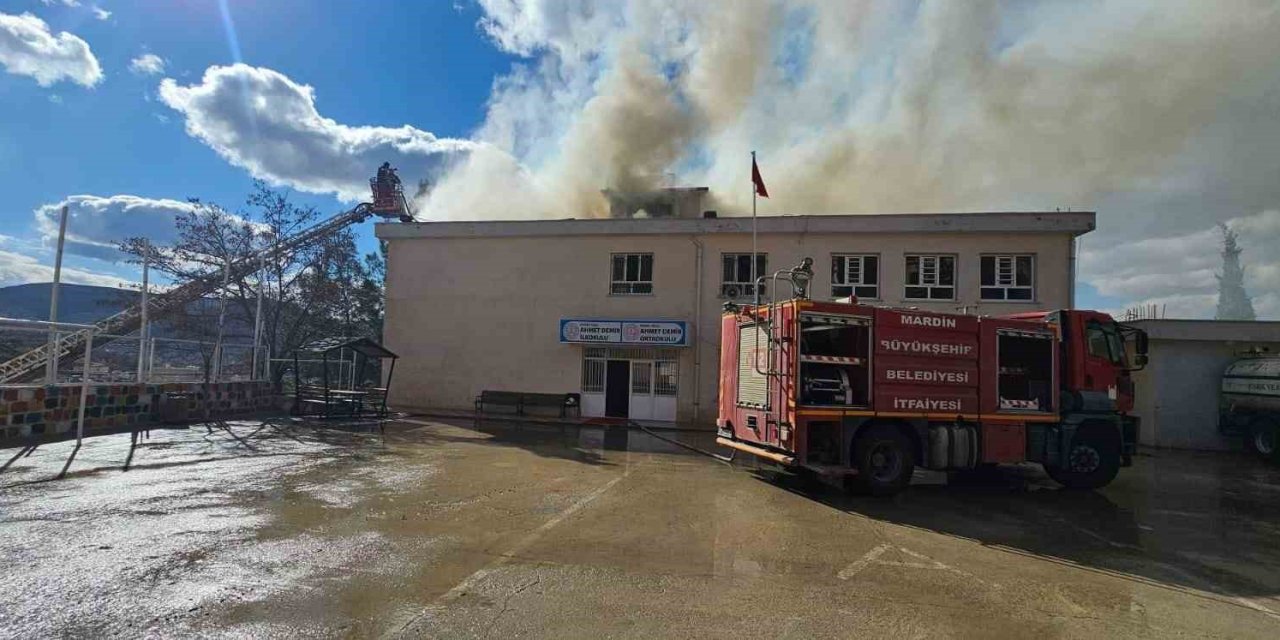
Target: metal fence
130	359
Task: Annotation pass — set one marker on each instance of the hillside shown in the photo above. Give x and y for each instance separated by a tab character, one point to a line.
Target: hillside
77	303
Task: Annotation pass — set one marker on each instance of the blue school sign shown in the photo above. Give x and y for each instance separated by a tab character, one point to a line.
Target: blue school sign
667	333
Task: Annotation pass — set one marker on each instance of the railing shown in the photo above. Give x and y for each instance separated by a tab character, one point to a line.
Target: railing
130	359
52	329
28	366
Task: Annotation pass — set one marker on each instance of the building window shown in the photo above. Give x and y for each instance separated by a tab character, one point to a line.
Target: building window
736	280
930	277
593	375
1009	277
855	275
631	274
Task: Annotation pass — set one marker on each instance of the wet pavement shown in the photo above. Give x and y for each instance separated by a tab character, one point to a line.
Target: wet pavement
432	529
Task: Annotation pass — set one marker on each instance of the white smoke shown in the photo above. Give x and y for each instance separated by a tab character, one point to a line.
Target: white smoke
866	107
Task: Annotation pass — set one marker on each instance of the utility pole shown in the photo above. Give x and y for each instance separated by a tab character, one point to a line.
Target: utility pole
142	330
51	365
257	318
222	316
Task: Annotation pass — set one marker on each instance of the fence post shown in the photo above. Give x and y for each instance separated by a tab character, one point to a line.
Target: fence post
84	385
142	330
51	365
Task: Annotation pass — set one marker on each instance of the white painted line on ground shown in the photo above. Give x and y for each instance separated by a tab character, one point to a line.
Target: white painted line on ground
925	562
515	550
528	540
861	563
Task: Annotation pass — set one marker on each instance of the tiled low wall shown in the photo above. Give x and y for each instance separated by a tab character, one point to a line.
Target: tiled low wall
27	411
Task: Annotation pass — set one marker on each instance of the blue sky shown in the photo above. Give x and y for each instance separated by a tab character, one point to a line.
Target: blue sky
425	64
1157	114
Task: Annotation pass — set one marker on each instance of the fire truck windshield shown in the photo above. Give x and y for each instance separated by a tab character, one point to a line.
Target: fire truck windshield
1105	342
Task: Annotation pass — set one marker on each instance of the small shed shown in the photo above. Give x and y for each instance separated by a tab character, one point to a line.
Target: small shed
1177	393
330	397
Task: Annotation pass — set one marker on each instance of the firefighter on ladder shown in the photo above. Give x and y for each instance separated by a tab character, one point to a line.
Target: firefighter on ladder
388	195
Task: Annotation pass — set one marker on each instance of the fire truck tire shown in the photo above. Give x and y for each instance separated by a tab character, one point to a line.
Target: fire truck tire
884	458
1092	462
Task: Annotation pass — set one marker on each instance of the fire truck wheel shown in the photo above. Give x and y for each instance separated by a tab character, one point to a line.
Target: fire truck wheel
1092	462
884	459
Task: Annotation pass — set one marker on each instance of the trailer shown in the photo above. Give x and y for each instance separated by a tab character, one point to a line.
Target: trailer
868	393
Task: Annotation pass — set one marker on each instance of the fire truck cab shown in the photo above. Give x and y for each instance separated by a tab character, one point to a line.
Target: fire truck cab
870	393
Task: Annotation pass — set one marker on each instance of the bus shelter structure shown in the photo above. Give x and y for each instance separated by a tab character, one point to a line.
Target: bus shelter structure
330	395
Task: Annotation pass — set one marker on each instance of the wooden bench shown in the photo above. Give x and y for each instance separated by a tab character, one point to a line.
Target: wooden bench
520	400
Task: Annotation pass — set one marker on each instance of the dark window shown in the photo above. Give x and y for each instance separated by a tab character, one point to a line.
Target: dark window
736	277
631	274
930	277
855	275
1008	277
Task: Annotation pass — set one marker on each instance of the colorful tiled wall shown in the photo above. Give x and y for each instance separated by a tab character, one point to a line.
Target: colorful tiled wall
28	411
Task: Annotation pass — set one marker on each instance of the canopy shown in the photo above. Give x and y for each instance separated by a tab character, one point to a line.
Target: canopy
364	346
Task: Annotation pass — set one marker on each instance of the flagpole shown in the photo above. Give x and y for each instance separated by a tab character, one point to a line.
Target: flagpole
754	192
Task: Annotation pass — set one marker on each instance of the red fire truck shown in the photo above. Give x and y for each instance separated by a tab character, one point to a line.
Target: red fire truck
869	393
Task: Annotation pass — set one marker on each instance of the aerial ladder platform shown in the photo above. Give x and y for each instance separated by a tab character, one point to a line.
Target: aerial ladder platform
388	202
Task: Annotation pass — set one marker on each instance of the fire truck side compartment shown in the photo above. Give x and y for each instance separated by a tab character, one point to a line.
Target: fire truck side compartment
948	380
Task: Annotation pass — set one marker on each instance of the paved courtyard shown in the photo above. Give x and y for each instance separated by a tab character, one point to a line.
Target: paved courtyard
437	529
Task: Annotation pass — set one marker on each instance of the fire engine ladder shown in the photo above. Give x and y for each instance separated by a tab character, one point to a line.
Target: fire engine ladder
30	365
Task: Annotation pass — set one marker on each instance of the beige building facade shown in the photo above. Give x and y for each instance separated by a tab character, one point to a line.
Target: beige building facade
626	311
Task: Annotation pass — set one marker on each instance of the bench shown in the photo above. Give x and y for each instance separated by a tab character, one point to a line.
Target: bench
565	402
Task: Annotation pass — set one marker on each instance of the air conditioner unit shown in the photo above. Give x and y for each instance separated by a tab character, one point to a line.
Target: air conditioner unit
730	291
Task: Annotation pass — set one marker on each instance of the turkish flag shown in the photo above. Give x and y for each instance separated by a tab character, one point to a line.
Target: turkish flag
759	182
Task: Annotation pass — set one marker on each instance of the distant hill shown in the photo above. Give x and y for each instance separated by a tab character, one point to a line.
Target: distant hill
77	303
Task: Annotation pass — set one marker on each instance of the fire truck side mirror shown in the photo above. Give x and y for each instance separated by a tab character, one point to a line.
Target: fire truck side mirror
1140	359
1140	345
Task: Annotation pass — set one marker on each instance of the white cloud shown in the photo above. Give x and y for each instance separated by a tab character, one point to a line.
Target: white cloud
1177	273
147	64
65	3
18	268
55	98
28	48
263	121
100	13
97	224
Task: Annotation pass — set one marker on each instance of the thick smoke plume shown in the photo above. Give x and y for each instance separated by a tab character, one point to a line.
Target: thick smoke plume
867	107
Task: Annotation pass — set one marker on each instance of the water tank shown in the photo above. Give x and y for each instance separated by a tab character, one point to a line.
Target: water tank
1253	383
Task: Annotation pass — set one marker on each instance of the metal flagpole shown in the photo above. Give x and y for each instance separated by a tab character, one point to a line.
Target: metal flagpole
51	365
754	258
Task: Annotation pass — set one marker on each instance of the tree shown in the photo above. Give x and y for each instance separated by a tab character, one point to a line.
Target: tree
319	290
1233	302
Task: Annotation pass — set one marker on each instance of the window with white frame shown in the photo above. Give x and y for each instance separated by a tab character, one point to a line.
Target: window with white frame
631	274
1008	277
855	275
736	280
930	277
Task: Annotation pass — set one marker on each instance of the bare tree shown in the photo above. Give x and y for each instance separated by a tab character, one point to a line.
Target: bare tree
309	292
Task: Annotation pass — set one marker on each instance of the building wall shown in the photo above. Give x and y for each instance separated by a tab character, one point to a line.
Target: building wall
1178	392
475	313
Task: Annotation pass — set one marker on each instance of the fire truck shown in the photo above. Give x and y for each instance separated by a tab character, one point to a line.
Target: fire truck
867	393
